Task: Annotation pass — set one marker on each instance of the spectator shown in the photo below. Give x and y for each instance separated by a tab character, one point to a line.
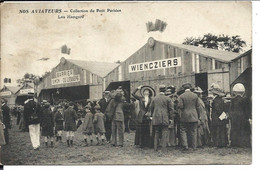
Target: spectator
70	117
188	104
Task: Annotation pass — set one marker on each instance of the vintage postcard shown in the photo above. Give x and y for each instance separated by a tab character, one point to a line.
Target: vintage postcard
126	83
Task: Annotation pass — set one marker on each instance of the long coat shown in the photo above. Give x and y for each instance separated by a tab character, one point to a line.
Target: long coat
99	120
47	122
218	127
6	116
87	127
70	117
162	110
143	135
142	108
189	105
240	127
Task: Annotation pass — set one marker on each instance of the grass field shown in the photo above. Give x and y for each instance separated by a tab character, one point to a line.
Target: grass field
20	152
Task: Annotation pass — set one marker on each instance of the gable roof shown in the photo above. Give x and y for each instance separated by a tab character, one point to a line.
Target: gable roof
13	89
245	53
225	56
99	68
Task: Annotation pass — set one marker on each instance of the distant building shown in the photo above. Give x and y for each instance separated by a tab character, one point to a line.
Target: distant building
23	93
9	93
74	80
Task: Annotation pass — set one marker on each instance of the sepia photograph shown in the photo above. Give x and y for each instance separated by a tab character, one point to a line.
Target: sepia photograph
126	83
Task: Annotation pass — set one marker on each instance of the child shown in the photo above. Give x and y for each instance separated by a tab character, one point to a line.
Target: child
59	123
47	123
87	126
99	120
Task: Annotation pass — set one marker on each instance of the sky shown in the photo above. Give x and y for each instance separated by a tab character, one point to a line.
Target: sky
108	37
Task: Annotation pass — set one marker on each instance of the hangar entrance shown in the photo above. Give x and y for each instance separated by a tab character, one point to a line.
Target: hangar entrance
201	80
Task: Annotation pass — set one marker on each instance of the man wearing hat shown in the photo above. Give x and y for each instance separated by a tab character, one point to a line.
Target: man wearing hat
103	106
188	103
162	112
32	119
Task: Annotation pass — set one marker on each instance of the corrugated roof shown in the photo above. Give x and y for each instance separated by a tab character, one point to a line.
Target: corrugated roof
224	56
99	68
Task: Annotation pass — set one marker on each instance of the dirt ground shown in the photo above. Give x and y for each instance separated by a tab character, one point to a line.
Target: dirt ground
20	152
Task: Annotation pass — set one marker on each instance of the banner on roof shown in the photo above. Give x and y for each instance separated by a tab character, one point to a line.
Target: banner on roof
6	93
26	91
153	65
65	79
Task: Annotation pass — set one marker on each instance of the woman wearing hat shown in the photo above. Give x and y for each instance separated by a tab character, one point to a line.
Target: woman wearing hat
218	125
240	118
203	127
143	138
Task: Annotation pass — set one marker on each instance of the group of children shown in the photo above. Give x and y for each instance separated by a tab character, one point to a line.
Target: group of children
93	123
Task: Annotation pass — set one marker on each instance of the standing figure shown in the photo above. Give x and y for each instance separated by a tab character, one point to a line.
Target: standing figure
188	103
104	105
6	120
32	119
203	127
172	128
143	137
19	115
116	114
240	118
59	122
47	124
218	125
99	120
70	117
2	137
162	112
87	126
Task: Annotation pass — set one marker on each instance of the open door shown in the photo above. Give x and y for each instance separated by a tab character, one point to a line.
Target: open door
201	80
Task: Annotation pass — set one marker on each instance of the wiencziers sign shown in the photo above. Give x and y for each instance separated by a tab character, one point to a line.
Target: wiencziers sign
153	65
64	77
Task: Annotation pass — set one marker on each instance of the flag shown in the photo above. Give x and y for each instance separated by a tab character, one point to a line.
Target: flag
65	50
159	25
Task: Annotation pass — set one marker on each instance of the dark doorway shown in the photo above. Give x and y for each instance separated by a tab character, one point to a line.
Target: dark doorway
201	80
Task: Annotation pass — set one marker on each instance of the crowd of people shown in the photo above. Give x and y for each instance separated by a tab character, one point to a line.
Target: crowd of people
186	118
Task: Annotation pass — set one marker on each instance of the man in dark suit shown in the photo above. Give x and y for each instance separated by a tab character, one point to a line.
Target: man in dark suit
188	104
162	111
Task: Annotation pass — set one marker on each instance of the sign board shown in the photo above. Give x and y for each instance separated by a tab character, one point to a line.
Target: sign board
26	91
65	73
6	93
65	80
153	65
